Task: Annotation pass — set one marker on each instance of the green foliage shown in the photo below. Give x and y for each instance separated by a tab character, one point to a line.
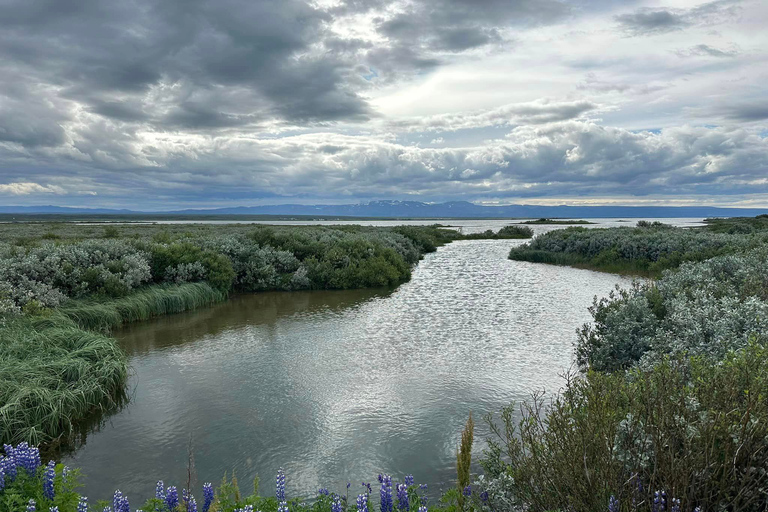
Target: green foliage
505	233
648	249
15	497
697	429
705	308
147	303
52	374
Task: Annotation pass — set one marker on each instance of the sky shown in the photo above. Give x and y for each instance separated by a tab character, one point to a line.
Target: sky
161	104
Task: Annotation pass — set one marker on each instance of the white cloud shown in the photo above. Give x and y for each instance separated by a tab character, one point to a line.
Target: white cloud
27	188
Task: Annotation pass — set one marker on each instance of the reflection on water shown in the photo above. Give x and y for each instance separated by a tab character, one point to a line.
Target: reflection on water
339	386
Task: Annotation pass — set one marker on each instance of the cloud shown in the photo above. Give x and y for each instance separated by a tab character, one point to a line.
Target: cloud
650	21
592	83
556	159
27	188
535	112
704	50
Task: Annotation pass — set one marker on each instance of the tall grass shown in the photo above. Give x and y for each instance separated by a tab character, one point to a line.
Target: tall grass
53	374
150	302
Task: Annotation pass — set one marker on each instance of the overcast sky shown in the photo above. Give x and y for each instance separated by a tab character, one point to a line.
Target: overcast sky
167	103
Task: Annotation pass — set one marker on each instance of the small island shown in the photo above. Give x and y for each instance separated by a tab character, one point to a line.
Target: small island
557	221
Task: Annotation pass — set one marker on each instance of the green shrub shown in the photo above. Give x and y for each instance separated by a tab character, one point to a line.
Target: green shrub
696	429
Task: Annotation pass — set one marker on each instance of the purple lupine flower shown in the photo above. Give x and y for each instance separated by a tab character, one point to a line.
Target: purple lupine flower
280	485
53	509
120	502
65	474
50	474
107	509
659	501
82	505
484	496
467	491
386	493
675	505
207	496
336	505
697	509
408	480
160	490
247	508
2	476
282	507
613	504
25	457
31	506
323	492
362	503
10	462
402	497
171	498
368	486
191	504
422	509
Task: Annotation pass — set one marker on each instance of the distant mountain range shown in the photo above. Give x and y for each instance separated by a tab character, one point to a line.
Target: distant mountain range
412	209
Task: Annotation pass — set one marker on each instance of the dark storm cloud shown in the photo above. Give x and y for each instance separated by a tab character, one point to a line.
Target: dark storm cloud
644	22
426	28
112	56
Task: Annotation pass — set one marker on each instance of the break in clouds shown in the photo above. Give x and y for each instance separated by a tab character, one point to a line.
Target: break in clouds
205	103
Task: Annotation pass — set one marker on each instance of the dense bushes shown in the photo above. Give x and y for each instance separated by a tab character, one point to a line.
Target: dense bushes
647	249
671	411
46	272
507	232
696	431
706	308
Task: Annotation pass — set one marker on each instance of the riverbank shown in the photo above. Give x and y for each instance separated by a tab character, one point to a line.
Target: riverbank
669	370
84	281
646	250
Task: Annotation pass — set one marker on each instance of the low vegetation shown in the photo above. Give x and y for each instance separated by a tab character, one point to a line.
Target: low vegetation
668	411
27	484
52	374
63	286
562	222
647	249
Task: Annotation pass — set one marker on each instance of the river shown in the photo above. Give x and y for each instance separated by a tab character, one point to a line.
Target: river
337	386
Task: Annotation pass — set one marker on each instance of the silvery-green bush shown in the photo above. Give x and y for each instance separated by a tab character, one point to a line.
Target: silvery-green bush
702	308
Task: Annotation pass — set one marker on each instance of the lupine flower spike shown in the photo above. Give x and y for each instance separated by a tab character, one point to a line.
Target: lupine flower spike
160	490
50	474
280	485
171	498
613	504
402	497
467	491
31	506
207	496
408	480
362	503
386	493
675	505
336	505
282	507
82	505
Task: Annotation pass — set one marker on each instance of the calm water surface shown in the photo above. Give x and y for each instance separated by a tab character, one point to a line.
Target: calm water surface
339	386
